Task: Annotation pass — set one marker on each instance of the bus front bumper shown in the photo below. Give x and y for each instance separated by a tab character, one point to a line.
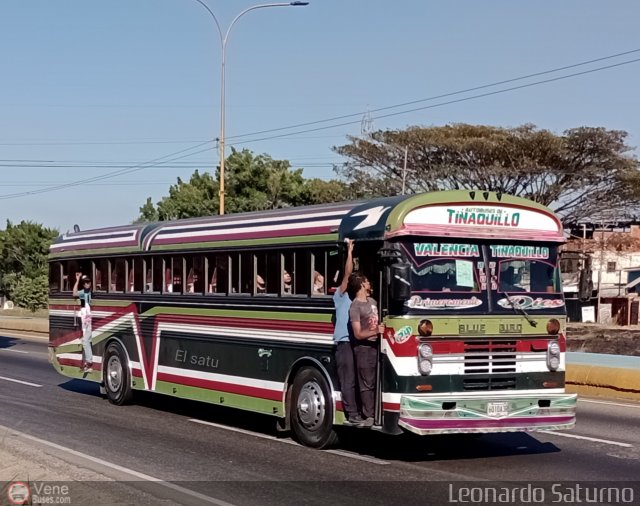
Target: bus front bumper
493	413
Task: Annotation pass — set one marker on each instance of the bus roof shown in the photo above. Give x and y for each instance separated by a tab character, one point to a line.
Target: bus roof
454	214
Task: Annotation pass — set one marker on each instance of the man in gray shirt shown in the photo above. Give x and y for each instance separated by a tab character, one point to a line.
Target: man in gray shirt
365	326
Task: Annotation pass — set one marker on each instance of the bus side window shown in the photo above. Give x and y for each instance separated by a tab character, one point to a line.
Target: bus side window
69	269
218	273
55	277
303	279
335	266
247	273
118	275
173	274
234	269
101	276
135	275
288	273
267	273
156	282
324	270
194	274
148	274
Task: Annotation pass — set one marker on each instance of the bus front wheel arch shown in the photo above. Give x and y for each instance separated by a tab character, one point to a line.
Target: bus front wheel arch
116	376
311	409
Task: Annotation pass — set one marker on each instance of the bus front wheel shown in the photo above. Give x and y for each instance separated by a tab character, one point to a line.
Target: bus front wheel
311	412
117	381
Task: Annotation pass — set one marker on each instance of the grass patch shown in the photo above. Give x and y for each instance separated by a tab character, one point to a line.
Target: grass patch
25	313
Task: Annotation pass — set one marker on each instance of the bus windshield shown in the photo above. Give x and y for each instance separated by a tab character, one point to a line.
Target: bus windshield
457	275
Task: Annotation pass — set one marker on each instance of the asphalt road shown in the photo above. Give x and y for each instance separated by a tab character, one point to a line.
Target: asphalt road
224	456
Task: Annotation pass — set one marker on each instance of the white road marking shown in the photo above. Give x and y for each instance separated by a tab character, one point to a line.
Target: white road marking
21	382
289	441
594	439
14	351
357	456
243	431
131	472
637	406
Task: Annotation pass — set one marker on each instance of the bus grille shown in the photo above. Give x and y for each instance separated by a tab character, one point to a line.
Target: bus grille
489	357
491	383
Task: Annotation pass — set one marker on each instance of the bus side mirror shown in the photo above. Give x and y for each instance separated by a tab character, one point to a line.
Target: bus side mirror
400	282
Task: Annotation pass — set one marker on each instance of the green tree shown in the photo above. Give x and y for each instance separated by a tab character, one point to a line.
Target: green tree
320	191
23	262
252	183
579	174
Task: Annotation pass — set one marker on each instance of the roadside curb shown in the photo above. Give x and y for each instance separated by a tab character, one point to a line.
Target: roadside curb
598	381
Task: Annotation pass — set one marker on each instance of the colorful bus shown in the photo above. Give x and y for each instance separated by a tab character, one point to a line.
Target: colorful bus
237	310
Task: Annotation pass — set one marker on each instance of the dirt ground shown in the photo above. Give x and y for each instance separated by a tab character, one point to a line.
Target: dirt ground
595	338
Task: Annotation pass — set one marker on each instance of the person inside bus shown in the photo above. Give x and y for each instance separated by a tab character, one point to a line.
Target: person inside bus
84	294
148	287
286	278
542	275
509	281
318	283
261	287
345	361
366	327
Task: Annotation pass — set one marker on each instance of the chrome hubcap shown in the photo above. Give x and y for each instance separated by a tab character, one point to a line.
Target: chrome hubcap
311	405
114	373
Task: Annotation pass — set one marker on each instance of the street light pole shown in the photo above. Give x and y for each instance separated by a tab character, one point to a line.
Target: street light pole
223	42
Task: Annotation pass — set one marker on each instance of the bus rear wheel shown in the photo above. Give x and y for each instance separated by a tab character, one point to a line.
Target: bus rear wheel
311	413
117	381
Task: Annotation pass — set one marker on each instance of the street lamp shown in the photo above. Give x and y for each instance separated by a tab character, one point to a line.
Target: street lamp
223	41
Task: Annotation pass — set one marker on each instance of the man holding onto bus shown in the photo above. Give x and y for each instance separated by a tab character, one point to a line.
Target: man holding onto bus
84	294
363	315
344	352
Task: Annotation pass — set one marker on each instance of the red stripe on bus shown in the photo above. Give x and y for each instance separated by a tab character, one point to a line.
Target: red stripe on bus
232	388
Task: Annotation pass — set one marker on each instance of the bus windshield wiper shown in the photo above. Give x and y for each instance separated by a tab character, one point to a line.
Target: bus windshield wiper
520	310
515	308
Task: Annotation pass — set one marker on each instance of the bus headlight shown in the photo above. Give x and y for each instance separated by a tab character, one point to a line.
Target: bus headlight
425	351
553	355
425	366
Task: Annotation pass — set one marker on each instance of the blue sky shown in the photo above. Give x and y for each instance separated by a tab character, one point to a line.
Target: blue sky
89	87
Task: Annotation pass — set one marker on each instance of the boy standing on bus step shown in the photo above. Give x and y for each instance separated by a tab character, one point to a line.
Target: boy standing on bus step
84	294
344	351
363	315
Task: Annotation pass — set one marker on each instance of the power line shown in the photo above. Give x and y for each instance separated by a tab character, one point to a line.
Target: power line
97	143
357	114
436	97
158	161
448	102
151	163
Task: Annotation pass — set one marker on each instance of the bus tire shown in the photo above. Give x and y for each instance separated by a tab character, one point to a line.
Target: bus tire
311	410
117	380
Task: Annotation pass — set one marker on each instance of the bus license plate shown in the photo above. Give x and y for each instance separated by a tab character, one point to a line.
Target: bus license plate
497	408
